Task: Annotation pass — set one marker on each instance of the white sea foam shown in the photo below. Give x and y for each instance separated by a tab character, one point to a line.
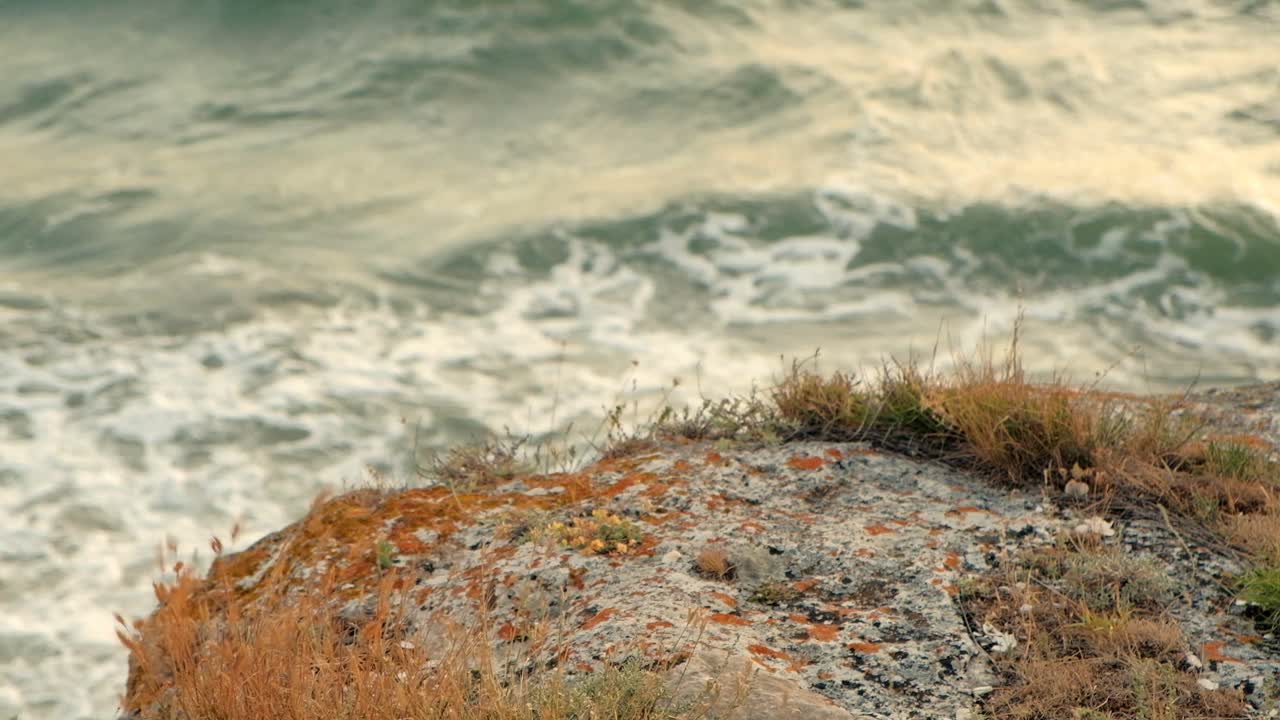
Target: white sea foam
115	443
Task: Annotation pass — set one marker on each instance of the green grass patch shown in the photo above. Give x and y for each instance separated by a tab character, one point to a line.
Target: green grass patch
1261	586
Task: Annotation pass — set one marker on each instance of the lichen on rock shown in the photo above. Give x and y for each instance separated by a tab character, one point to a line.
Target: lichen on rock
852	572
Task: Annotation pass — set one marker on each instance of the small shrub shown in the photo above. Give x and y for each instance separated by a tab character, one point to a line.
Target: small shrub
829	408
626	692
713	562
730	419
466	468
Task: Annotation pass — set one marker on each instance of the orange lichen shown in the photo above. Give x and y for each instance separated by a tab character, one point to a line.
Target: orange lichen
768	652
824	632
840	610
867	648
834	454
800	462
793	664
728	619
627	482
599	617
725	598
1212	652
878	530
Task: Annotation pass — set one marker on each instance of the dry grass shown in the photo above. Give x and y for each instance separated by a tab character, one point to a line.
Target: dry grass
467	468
713	562
988	415
1110	689
1259	534
1093	640
302	660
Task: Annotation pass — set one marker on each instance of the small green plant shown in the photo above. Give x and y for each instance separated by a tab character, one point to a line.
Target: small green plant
386	555
1270	693
600	533
1102	623
1262	587
972	589
901	402
1233	459
1205	508
776	593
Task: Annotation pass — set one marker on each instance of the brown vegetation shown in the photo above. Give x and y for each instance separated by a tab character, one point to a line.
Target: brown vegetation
713	562
303	660
1093	641
1096	646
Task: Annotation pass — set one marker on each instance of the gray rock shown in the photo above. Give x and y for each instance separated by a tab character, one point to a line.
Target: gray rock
842	607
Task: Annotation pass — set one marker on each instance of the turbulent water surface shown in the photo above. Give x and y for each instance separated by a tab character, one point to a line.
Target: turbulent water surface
248	249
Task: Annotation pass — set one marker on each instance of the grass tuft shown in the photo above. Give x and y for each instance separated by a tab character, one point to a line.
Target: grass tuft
1104	579
713	562
1093	640
1261	586
467	468
832	407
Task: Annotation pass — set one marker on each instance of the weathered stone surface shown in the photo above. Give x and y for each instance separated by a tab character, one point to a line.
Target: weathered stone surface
846	562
